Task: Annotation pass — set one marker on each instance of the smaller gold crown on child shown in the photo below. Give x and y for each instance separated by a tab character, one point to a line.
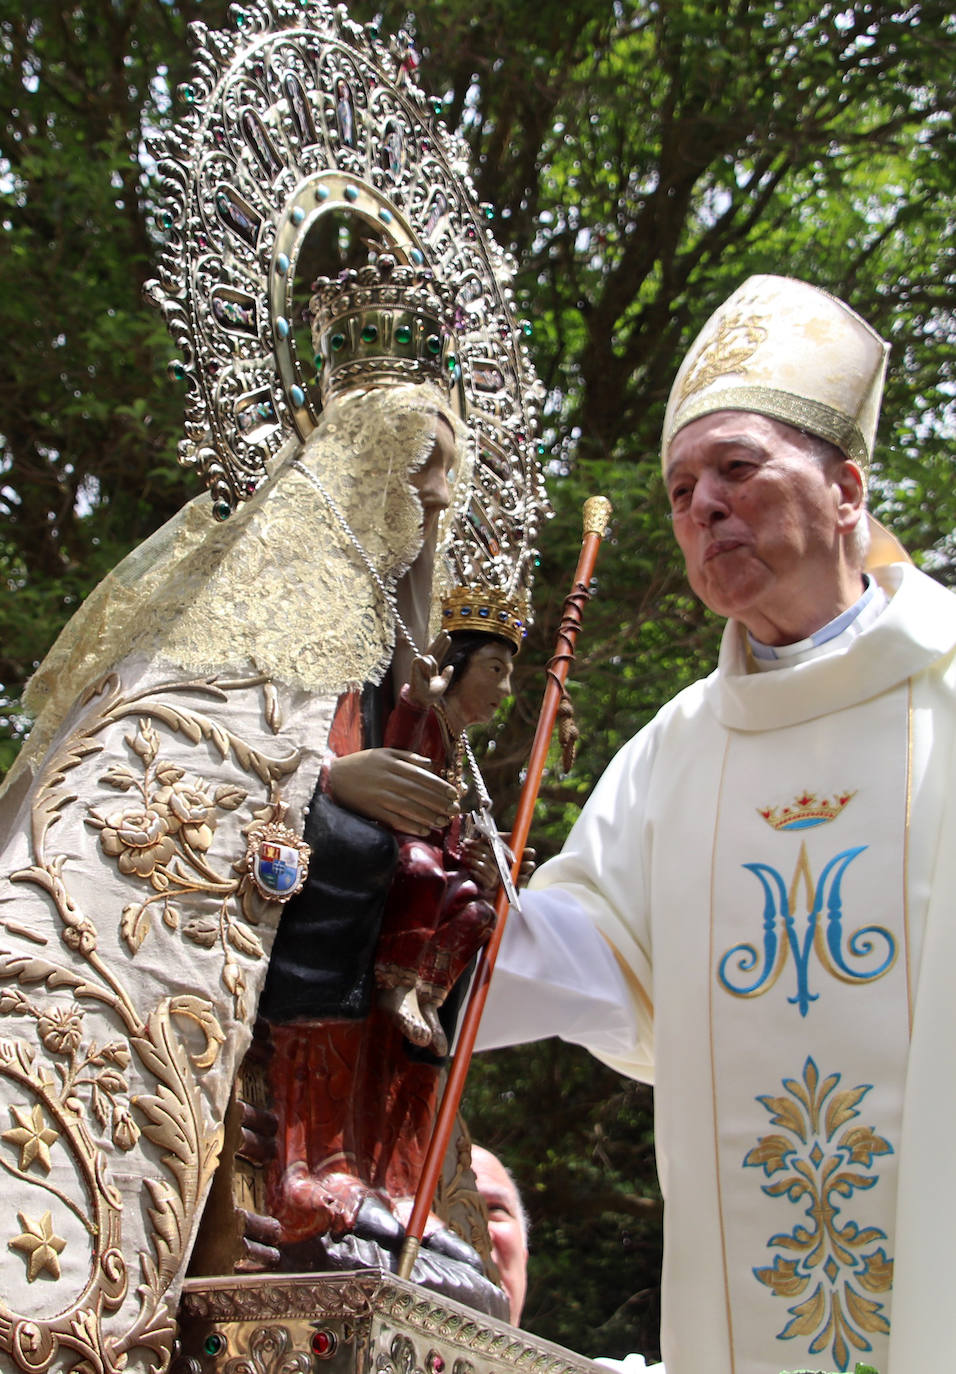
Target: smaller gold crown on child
381	324
484	610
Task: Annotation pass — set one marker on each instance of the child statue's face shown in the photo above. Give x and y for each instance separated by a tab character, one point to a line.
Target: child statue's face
483	685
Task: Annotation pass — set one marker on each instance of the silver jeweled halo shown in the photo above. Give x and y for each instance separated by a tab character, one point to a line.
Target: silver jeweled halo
307	143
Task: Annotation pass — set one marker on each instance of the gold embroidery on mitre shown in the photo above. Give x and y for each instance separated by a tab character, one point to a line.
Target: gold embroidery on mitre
734	342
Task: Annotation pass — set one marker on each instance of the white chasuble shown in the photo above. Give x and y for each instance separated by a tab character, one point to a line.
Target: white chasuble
809	1029
772	864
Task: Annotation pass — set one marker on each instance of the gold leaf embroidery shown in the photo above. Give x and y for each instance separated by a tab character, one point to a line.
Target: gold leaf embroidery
842	1108
876	1274
811	1171
771	1151
784	1278
862	1143
734	342
785	1113
807	1315
135	924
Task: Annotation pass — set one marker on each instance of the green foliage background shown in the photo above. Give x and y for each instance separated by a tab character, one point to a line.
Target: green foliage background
644	158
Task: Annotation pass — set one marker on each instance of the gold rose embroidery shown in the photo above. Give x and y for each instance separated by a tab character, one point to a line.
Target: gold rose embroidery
162	836
94	1075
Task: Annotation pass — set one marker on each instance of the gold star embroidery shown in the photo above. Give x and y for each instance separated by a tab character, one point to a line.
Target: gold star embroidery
32	1135
40	1245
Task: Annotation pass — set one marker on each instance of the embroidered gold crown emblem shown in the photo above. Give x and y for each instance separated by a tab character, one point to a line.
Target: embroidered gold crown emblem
806	811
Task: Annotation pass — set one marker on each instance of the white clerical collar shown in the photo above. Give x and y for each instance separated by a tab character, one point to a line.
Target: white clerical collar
844	627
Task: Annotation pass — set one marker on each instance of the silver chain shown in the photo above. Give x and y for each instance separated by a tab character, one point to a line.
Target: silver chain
370	567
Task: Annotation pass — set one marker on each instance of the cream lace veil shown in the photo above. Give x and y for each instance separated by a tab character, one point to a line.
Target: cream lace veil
279	588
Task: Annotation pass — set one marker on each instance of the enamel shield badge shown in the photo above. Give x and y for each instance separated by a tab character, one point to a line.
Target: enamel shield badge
277	860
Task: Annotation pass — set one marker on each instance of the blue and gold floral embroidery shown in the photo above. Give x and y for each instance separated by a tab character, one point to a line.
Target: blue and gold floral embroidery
861	957
819	1156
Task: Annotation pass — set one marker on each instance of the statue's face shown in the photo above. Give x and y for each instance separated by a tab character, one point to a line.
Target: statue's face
484	683
431	481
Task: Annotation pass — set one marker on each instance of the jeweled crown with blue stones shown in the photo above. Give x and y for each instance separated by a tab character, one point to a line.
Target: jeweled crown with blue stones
484	610
382	324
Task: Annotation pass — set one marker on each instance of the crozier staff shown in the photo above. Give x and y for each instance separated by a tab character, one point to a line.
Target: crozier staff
753	908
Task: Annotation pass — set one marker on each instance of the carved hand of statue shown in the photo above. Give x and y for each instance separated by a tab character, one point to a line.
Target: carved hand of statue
480	862
426	684
395	787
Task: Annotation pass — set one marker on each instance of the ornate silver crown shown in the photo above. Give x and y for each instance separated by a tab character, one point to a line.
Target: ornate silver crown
306	148
382	324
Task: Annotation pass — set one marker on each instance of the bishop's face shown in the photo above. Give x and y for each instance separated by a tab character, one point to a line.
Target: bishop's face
762	523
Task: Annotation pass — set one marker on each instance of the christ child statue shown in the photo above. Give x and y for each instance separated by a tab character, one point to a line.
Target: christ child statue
438	914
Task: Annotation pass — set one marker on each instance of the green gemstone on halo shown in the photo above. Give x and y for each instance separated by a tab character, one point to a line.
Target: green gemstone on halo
433	344
403	334
369	333
452	362
222	511
527	329
338	342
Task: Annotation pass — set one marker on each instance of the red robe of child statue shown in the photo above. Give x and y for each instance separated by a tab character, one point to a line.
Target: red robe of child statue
436	917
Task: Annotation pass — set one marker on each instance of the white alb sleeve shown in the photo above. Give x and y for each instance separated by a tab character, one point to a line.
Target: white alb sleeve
556	975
